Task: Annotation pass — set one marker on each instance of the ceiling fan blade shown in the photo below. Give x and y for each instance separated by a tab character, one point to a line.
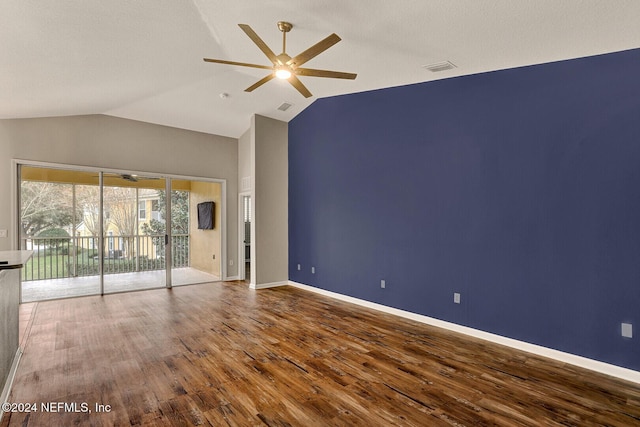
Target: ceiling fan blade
314	50
259	42
295	82
260	82
325	73
242	64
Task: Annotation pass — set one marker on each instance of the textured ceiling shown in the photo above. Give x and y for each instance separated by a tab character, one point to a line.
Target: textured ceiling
143	59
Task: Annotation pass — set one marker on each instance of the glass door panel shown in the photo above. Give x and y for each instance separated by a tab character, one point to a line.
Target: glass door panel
196	236
94	232
59	212
133	231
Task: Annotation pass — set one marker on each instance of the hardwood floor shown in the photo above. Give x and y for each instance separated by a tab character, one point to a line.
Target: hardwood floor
223	355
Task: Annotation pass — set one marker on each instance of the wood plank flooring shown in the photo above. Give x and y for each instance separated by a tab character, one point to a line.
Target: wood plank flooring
222	355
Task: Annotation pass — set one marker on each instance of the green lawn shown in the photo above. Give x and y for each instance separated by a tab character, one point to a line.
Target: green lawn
52	264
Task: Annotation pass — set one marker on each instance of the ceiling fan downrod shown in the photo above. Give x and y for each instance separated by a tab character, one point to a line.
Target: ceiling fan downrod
285	27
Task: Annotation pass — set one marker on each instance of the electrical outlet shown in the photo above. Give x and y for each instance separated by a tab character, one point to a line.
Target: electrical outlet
383	284
627	330
456	298
313	270
230	262
299	267
3	233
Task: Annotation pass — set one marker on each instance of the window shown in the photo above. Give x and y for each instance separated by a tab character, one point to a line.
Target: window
142	210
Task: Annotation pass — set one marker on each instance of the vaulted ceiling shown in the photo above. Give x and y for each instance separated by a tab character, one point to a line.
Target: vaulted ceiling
142	59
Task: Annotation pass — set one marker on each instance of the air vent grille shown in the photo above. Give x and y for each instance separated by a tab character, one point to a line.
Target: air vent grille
440	66
245	184
284	106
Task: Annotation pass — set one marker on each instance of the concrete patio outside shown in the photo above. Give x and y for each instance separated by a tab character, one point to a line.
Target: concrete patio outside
41	290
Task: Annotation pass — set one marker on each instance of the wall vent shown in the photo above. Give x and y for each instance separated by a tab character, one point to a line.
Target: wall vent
284	106
440	66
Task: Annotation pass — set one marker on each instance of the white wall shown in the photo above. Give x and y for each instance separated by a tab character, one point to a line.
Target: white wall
109	142
270	183
245	167
246	147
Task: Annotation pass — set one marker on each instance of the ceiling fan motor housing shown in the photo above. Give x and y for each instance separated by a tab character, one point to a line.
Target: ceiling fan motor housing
285	27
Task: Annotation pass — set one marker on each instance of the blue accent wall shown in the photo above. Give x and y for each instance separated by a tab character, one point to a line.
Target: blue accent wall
519	189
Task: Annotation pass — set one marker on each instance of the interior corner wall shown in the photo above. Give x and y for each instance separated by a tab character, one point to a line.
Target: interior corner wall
269	228
110	142
518	189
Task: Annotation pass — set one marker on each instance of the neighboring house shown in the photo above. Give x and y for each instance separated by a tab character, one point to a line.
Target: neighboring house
123	224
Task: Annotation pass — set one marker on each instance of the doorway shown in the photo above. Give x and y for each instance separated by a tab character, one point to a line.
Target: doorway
245	236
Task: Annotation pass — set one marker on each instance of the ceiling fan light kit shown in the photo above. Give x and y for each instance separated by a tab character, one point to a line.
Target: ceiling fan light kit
285	67
283	72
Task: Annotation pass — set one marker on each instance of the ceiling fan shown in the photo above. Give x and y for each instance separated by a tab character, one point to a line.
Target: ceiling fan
131	177
286	67
136	178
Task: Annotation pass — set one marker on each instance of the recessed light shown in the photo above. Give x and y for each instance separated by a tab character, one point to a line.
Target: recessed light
224	95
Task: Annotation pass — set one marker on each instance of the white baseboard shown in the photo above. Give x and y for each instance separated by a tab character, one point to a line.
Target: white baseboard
572	359
268	285
9	383
231	278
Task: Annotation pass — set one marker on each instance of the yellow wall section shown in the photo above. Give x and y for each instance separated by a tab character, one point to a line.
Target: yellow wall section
205	243
68	176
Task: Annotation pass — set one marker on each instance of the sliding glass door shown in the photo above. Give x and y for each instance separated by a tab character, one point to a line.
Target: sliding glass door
95	232
91	232
60	223
134	244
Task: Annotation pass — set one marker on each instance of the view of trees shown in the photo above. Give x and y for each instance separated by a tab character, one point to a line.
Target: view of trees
45	205
88	200
59	238
48	216
50	205
179	222
121	207
179	217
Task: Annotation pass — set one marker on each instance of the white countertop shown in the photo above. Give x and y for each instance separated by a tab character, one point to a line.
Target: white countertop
16	259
